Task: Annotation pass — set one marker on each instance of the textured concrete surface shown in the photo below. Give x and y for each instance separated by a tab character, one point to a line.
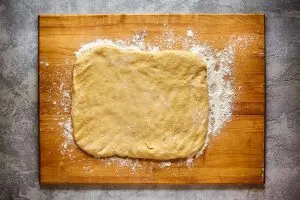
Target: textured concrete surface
18	99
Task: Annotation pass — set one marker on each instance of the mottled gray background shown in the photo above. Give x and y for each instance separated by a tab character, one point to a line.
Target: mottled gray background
18	99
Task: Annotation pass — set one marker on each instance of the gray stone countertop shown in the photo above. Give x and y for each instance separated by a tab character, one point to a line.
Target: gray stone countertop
18	99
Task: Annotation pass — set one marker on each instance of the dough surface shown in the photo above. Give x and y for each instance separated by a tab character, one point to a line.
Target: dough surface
138	104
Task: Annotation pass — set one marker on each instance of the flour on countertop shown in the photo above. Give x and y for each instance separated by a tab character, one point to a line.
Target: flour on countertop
219	65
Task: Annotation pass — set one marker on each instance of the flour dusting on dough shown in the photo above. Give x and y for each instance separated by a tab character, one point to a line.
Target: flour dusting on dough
219	68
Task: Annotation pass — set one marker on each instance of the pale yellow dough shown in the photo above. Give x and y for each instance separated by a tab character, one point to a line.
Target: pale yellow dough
139	104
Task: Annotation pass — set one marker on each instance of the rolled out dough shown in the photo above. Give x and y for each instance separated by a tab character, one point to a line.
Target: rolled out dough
137	104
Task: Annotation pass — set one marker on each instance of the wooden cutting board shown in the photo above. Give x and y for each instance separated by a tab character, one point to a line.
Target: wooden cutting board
236	155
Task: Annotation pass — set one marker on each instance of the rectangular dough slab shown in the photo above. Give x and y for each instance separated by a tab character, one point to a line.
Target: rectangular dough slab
138	104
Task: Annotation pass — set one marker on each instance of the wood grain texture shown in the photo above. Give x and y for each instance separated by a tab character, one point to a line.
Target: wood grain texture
236	155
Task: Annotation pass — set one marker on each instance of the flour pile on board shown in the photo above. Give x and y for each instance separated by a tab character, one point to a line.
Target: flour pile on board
219	69
219	89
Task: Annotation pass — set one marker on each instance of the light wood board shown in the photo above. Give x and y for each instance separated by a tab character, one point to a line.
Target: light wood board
236	155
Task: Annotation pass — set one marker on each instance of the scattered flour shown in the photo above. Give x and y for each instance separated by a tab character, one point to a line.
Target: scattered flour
65	123
136	43
132	164
67	126
189	33
219	65
189	162
220	90
165	164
